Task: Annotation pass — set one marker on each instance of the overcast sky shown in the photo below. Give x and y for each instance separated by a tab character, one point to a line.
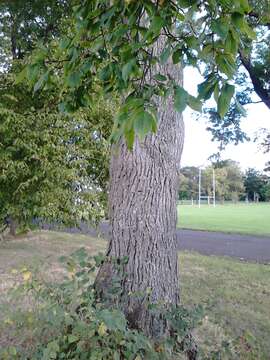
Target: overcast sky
198	145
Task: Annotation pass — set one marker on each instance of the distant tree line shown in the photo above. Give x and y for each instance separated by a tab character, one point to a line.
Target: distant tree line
231	183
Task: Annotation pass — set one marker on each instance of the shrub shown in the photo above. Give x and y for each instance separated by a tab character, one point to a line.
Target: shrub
68	321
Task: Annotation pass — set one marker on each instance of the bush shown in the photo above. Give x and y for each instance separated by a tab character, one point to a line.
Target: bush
66	321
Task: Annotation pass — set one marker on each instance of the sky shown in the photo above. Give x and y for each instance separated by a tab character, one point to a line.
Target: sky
198	145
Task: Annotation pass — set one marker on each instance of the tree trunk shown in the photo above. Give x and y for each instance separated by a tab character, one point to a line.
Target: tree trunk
12	226
142	210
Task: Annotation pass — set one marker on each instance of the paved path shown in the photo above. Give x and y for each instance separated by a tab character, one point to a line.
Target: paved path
244	247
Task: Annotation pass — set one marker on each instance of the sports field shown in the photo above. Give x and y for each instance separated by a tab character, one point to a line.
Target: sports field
234	218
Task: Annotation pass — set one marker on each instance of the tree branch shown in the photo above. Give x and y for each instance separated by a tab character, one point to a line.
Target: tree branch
258	17
257	84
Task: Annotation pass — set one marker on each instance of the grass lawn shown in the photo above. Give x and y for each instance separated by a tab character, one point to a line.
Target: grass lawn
235	295
247	219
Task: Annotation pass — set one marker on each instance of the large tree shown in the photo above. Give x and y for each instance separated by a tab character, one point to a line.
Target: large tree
137	49
255	184
52	165
189	180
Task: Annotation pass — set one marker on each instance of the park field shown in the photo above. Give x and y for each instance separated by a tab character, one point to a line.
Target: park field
253	219
235	295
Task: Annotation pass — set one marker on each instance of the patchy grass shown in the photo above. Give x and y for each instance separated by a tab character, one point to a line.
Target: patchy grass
38	250
236	295
246	219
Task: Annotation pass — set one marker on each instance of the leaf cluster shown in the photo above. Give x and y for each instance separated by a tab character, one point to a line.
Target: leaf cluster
52	166
113	44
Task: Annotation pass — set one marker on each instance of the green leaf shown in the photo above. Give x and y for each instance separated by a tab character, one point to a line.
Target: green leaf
216	92
127	69
64	43
12	350
113	319
21	76
226	64
180	98
221	27
130	137
165	54
74	79
231	44
186	3
156	24
42	81
144	122
160	77
177	56
249	32
244	4
238	20
240	108
72	338
206	88
194	103
224	99
207	51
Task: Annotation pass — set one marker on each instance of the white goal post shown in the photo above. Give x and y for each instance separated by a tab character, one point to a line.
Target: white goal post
213	196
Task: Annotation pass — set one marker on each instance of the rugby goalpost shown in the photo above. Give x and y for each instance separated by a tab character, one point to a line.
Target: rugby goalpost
213	196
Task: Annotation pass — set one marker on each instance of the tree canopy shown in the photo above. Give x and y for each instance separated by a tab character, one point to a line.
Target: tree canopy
252	78
110	44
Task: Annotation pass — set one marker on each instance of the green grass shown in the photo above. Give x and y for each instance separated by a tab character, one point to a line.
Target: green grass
246	219
235	295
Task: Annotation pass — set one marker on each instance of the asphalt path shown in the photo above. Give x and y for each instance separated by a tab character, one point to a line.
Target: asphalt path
244	247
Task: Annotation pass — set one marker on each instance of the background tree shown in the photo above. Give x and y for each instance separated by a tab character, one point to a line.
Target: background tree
266	191
254	184
24	23
228	181
53	166
230	178
189	179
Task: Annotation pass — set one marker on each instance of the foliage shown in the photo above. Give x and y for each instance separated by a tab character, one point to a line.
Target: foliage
188	182
24	23
112	45
228	180
71	322
53	166
256	184
49	165
253	78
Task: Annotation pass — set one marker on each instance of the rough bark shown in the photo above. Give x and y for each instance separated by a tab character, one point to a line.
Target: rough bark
142	210
12	226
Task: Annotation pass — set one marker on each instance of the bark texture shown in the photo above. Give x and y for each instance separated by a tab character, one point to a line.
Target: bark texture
12	226
142	201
